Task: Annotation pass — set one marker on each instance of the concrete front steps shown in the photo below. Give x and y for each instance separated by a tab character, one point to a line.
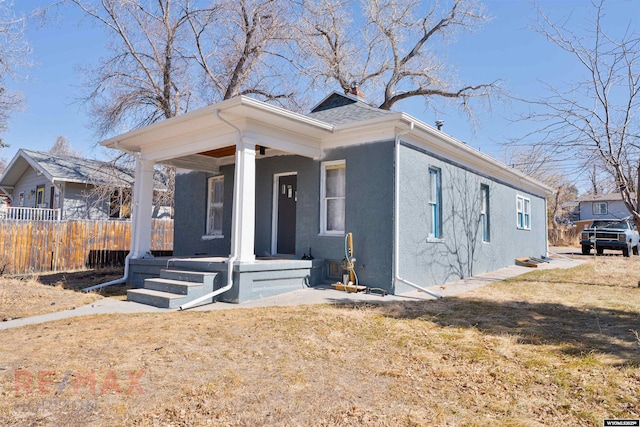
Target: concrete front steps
173	288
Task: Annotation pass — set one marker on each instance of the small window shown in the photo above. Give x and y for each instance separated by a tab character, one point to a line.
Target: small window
215	204
600	208
332	197
435	203
523	208
484	213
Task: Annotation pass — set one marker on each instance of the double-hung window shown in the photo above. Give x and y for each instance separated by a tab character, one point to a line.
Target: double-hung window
435	203
332	197
600	208
523	208
484	212
215	205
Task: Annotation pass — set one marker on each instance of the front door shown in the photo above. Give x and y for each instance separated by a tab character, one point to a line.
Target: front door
286	214
40	196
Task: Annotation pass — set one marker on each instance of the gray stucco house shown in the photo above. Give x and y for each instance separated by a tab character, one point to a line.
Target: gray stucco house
64	187
260	187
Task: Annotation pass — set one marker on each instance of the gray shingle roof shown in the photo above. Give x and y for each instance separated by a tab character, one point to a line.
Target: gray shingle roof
600	197
77	169
338	109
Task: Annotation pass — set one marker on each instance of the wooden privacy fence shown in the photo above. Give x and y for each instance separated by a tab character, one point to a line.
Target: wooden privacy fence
36	246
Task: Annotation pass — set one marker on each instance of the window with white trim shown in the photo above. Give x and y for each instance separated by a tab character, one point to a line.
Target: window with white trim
600	208
484	213
523	208
332	197
435	203
215	205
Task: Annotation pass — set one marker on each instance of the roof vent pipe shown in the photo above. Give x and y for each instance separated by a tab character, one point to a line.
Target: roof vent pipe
439	124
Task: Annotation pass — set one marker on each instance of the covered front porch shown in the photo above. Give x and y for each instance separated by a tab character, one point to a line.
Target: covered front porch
229	134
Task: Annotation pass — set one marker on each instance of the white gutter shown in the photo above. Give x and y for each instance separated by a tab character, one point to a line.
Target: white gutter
396	220
123	279
234	232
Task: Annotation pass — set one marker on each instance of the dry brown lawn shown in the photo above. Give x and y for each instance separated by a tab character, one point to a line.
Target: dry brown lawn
548	348
35	294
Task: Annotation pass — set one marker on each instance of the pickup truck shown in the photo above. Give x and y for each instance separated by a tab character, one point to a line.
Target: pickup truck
610	234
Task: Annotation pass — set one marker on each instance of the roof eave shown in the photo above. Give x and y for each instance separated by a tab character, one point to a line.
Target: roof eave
400	120
136	139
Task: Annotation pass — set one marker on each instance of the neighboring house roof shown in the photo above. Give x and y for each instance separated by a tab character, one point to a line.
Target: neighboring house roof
339	108
612	197
60	168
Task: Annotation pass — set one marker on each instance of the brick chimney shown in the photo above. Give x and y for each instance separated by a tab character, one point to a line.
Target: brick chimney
355	90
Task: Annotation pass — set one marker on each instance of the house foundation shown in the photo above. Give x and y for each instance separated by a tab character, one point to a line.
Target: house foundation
251	280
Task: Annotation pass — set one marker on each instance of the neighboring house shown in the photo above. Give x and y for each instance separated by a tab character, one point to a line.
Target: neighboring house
79	188
602	206
265	186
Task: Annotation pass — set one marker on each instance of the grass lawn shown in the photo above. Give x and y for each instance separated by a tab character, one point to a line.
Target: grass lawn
553	347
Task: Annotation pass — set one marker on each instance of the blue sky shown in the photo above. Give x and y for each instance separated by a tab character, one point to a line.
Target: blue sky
505	49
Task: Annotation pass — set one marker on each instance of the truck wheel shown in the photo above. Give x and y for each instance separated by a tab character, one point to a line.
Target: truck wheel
625	252
599	251
635	250
586	249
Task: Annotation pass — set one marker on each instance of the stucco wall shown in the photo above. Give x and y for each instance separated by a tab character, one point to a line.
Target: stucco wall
369	215
190	214
460	252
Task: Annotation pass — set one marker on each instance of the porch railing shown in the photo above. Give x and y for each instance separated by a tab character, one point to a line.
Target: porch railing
30	214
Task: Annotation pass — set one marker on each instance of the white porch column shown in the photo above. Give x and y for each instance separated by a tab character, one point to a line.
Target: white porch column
244	203
142	209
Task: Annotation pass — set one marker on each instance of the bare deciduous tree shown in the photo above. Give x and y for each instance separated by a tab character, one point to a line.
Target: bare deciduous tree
144	79
111	189
594	119
62	146
396	54
240	48
168	56
539	163
14	52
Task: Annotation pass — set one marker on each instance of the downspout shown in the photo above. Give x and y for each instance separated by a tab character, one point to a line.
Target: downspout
125	276
396	220
123	279
234	232
546	227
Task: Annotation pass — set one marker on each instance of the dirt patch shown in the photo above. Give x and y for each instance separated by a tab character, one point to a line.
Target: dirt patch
549	348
